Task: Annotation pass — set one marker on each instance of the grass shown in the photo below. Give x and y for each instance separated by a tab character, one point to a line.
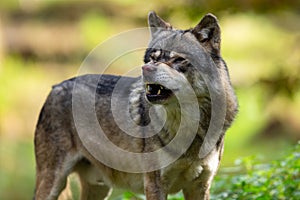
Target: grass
16	169
278	180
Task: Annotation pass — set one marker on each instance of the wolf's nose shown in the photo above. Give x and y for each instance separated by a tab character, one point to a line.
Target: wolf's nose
148	68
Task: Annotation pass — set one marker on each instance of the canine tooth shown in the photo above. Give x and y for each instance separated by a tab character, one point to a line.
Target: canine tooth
158	92
148	87
161	87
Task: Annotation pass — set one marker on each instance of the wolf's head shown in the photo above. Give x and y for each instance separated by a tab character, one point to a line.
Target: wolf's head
169	58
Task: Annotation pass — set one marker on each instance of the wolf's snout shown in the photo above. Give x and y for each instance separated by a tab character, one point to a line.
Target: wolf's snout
148	68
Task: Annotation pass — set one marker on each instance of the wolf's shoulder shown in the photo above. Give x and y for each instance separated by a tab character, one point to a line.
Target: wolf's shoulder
88	80
99	83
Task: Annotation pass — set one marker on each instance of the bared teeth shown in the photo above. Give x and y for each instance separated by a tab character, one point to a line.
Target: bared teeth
148	88
154	89
158	92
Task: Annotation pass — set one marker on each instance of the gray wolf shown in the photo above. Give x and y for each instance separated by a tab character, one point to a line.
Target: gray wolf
170	81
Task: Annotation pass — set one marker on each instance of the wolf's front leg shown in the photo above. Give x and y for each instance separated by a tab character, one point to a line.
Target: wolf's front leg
199	188
201	192
153	186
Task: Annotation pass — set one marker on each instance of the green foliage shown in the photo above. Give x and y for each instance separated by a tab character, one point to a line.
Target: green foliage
278	180
131	196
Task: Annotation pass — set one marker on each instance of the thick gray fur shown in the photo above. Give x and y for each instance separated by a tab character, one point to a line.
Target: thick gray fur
59	148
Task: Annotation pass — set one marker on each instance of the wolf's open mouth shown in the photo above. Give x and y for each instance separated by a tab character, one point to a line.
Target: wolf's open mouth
157	92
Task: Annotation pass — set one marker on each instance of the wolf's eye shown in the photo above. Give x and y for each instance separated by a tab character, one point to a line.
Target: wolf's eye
152	57
155	55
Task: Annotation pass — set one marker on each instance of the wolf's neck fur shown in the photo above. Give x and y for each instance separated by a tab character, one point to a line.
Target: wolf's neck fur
188	117
172	114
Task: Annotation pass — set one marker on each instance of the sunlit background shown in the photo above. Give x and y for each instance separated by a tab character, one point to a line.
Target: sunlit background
43	42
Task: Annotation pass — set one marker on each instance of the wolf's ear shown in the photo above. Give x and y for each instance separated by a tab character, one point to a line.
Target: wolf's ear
208	33
156	24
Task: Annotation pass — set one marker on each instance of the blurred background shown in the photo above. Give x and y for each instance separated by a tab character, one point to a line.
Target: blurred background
43	42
